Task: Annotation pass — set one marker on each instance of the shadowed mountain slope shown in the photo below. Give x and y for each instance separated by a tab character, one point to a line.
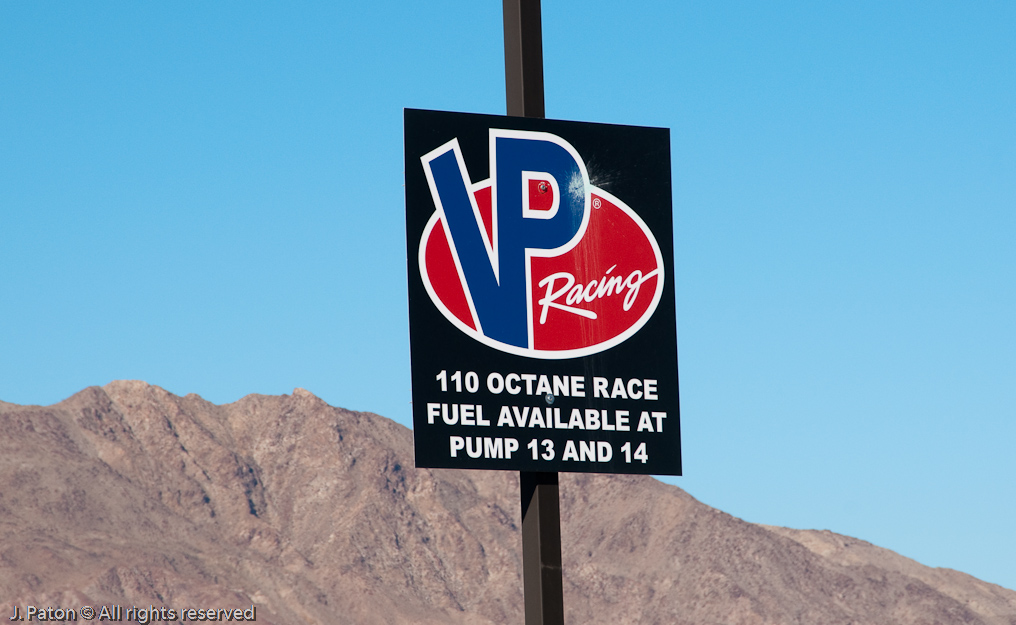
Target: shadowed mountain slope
128	494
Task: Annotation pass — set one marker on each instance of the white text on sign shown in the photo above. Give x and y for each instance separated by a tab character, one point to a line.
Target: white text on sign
557	385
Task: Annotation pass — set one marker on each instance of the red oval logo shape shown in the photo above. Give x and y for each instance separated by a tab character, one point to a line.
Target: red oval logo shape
585	300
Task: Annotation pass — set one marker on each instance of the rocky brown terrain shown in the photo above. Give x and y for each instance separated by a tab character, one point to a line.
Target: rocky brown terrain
130	495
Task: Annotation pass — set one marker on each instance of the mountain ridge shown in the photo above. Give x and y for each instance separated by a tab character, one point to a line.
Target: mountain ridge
128	493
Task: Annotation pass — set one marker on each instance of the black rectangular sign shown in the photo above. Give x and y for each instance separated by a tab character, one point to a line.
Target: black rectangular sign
541	295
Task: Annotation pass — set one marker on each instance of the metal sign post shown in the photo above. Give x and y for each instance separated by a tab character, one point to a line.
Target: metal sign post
541	548
523	58
541	509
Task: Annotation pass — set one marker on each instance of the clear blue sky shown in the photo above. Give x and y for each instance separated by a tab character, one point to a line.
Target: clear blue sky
208	197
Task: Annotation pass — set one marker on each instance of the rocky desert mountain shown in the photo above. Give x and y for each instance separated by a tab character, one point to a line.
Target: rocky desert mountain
130	495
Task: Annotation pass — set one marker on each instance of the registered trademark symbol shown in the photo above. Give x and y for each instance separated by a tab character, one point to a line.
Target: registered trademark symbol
596	202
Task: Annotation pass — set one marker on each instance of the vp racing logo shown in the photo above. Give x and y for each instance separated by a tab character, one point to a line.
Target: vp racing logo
535	261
